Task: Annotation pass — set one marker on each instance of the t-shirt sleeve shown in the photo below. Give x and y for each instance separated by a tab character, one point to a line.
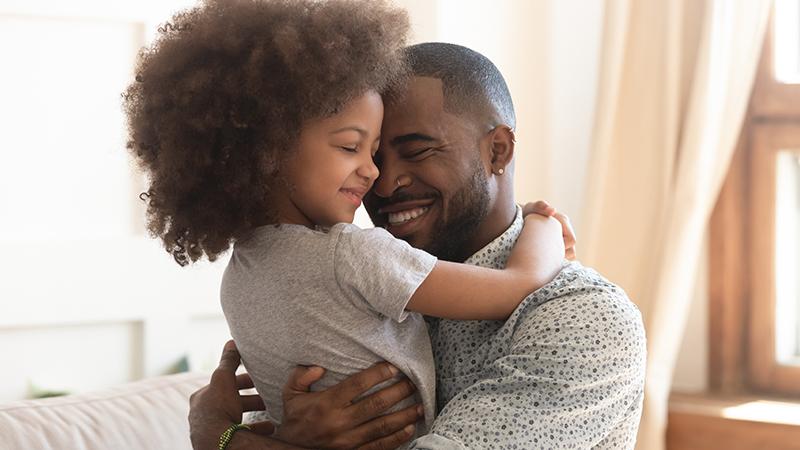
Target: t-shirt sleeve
373	267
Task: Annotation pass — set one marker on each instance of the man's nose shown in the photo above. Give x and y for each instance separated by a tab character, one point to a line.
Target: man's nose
387	182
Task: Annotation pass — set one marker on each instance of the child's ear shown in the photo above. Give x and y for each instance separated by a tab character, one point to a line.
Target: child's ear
501	148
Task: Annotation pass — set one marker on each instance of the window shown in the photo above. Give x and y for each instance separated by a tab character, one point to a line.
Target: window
755	231
787	256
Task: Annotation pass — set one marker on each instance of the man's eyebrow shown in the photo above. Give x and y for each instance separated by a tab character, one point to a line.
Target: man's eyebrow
411	137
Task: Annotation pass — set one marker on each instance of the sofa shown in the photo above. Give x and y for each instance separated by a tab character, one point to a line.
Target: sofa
147	414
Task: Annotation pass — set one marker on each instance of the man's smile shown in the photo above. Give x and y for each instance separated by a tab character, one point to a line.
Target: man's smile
404	218
396	218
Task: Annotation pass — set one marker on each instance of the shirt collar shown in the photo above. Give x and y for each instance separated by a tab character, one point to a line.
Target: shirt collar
495	253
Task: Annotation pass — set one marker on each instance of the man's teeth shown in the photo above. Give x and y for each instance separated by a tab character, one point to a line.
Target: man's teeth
399	217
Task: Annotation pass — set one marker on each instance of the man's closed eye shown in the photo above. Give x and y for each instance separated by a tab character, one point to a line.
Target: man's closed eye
420	154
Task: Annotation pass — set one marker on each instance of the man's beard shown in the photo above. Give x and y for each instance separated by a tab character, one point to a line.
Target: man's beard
467	209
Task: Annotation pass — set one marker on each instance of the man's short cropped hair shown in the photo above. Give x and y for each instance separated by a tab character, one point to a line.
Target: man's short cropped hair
471	82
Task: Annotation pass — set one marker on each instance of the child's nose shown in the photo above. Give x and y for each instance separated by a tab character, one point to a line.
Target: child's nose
369	170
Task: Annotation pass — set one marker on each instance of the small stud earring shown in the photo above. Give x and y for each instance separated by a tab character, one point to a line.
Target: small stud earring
500	171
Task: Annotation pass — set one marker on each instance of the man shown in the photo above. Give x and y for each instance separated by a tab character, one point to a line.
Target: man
566	370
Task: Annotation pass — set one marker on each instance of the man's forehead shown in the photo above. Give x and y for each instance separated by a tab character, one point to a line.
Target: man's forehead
423	97
419	110
426	89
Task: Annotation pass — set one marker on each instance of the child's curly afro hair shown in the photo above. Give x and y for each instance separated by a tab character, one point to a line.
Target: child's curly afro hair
221	95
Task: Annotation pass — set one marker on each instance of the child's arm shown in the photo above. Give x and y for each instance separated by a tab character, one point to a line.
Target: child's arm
466	292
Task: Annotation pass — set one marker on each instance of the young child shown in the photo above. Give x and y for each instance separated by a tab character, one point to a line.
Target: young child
257	123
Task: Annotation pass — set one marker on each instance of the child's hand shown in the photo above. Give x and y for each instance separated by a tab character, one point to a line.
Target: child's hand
540	207
543	208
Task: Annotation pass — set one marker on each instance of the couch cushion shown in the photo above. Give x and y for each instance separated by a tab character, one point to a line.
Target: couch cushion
147	414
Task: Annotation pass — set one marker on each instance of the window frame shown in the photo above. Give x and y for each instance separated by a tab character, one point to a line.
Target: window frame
742	246
765	373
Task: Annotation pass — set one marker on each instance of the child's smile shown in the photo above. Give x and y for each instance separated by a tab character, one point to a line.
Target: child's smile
354	194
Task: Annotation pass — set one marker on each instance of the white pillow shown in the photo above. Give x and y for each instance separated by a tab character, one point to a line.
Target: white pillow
147	414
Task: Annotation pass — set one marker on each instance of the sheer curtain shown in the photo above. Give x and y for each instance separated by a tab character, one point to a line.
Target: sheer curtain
674	86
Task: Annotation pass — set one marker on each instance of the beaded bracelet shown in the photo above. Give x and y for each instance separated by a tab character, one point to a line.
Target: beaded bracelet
227	435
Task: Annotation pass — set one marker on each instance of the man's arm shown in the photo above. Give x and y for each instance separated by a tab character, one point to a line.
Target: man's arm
326	419
573	377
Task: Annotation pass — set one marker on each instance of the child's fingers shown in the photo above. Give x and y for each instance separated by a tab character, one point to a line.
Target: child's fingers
540	207
567	230
534	207
570	254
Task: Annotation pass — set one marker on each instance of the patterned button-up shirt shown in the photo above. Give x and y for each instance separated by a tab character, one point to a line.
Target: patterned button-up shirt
566	370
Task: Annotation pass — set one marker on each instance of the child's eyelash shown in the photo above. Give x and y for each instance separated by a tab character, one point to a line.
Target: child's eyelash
350	149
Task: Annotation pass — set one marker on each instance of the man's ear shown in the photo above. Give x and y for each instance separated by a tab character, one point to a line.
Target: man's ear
501	147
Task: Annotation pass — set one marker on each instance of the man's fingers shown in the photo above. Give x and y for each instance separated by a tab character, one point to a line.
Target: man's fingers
384	426
265	428
355	385
378	402
244	381
391	442
570	254
253	403
230	359
300	380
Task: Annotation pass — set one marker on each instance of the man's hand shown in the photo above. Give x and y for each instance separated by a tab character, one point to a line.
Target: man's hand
327	419
542	208
332	419
215	407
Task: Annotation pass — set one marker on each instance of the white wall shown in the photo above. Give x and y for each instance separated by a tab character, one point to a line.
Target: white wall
88	300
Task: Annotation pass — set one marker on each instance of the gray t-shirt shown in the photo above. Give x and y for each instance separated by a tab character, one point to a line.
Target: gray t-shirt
334	298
